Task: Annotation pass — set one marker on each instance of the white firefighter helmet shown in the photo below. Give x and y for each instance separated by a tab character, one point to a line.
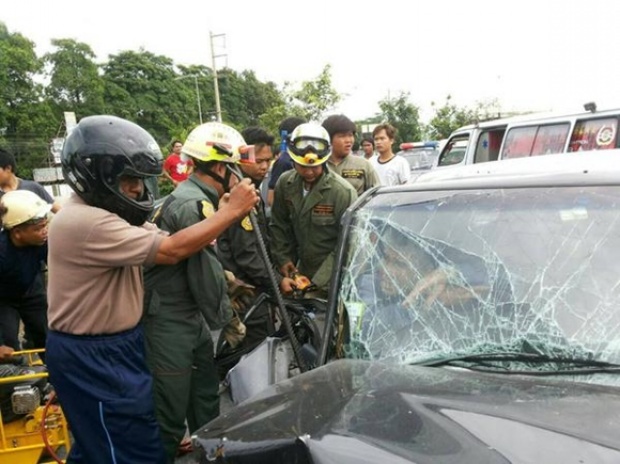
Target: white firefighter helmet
214	141
23	206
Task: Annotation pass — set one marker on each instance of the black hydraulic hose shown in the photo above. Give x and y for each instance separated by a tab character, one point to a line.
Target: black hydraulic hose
275	284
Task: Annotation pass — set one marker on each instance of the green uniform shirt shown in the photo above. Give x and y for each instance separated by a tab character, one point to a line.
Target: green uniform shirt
197	283
305	230
239	251
357	171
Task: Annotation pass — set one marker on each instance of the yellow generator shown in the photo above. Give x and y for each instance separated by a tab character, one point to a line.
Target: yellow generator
33	429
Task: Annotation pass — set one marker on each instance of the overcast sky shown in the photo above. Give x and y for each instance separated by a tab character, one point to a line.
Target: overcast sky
529	54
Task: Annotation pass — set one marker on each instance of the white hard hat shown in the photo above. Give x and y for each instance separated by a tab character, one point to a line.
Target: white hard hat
23	206
214	141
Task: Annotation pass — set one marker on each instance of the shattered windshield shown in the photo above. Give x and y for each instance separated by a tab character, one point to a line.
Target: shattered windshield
437	275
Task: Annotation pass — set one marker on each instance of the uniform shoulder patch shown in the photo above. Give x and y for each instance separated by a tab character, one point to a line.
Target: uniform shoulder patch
247	224
206	209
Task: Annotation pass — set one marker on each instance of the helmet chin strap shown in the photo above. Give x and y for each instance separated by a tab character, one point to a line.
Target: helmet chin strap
233	170
223	181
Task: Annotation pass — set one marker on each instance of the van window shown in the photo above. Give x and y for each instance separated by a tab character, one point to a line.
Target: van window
594	134
550	139
535	140
454	151
489	143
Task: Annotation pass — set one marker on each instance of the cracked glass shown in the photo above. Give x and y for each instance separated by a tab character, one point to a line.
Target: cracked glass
444	274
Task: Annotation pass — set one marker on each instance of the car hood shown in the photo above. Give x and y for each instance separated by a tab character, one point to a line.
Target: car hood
369	412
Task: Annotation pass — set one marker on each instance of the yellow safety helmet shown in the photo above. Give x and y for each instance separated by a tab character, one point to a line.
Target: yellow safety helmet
22	207
214	141
309	145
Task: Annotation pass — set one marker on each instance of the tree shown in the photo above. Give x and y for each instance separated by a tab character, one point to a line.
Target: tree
141	87
310	101
75	83
403	115
317	96
26	121
190	78
449	117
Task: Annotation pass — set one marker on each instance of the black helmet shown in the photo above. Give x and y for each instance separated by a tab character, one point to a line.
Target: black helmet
101	149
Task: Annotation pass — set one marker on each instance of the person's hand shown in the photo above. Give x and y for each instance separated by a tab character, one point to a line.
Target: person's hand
241	294
6	353
241	199
287	285
234	332
288	269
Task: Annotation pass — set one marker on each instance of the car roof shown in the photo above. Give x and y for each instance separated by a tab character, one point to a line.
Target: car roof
536	117
598	167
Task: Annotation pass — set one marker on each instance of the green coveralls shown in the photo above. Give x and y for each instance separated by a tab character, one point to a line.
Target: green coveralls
305	230
179	299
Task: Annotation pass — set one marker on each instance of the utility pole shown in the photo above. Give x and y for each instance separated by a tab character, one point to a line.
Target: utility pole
218	108
197	92
198	98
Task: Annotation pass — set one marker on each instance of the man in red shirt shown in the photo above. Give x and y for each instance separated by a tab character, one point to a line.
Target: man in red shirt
177	169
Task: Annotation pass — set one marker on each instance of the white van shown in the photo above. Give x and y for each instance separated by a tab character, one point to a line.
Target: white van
531	135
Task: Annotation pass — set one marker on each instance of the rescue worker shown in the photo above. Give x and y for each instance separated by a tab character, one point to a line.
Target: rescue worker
98	243
238	248
184	301
308	204
354	169
239	251
23	254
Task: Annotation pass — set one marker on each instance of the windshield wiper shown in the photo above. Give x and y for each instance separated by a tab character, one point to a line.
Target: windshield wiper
488	362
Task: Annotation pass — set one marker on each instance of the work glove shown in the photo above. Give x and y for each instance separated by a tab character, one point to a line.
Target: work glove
234	332
241	294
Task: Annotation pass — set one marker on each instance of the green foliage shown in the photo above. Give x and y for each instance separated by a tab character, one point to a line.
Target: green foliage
449	117
141	87
404	116
310	101
316	97
167	99
25	116
165	187
74	80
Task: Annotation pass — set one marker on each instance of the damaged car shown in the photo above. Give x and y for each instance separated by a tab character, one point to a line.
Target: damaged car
473	318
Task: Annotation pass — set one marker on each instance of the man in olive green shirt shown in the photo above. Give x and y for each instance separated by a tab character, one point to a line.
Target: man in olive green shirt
181	298
308	205
356	170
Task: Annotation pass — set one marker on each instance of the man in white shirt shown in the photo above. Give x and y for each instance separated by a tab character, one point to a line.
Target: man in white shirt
392	169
